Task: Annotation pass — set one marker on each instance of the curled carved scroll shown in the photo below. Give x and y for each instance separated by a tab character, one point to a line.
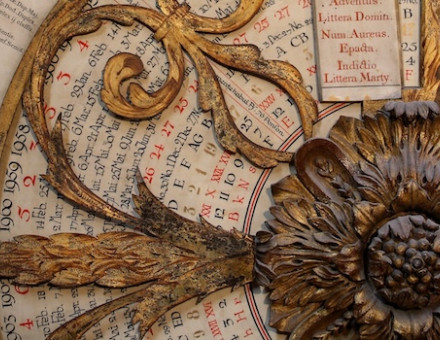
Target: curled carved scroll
177	28
200	258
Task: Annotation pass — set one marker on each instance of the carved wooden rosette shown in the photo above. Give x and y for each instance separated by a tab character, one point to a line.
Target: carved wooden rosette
354	249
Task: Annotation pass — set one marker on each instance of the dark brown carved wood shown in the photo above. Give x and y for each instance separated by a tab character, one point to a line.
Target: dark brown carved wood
354	250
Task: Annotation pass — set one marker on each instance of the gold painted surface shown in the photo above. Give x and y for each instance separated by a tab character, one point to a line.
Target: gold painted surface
200	258
177	28
196	247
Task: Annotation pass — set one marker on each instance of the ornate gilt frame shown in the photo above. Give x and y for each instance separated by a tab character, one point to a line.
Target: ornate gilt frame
331	212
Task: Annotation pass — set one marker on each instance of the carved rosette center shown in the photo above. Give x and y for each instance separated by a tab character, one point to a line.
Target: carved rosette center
403	262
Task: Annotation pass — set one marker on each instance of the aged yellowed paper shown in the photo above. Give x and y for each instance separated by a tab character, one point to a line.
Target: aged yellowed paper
358	49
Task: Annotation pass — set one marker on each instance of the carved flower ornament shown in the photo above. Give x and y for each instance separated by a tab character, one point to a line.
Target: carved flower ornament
354	249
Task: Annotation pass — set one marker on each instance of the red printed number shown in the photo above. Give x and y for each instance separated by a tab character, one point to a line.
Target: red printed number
22	290
149	173
28	324
261	25
29	181
65	76
195	86
241	39
305	3
49	112
283	13
83	45
33	145
182	104
167	128
24	214
156	154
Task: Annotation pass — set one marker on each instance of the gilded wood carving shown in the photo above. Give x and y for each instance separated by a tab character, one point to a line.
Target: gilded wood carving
352	249
199	258
176	27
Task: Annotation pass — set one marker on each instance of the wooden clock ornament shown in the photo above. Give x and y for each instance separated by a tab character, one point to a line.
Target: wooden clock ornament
353	250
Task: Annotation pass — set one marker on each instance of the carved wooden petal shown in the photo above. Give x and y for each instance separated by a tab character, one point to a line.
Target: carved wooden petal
325	170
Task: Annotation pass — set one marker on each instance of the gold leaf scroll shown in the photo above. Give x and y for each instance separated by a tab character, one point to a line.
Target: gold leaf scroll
177	28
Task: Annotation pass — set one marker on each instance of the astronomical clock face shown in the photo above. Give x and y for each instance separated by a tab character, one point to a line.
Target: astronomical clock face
219	169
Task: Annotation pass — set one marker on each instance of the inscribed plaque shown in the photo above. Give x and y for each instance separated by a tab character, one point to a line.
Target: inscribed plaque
358	49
